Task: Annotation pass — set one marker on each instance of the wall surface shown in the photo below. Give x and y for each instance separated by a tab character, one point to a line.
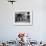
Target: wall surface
8	31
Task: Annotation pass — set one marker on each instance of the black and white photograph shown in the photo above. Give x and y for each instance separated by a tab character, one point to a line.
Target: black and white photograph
23	18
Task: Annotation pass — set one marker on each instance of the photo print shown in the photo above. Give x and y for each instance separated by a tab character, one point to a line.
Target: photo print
23	18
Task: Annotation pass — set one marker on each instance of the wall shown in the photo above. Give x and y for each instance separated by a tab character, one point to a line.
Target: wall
9	31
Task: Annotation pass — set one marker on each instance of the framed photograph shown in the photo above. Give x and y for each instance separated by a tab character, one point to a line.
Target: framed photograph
23	18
